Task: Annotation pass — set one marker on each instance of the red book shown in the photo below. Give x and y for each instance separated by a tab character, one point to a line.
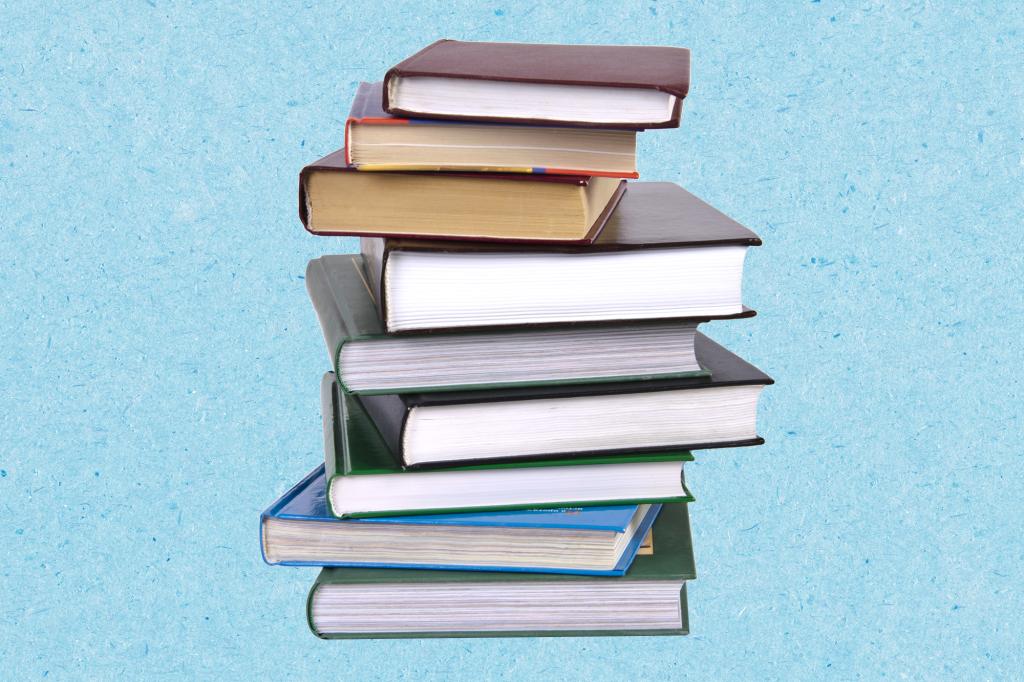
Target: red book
598	86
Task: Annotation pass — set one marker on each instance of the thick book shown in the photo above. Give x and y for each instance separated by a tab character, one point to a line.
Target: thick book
367	360
366	480
375	603
299	530
336	199
663	254
376	140
565	421
604	86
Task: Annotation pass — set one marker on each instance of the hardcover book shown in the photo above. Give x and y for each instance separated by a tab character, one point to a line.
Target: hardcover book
663	254
376	140
299	530
335	199
649	600
604	86
368	360
365	479
577	420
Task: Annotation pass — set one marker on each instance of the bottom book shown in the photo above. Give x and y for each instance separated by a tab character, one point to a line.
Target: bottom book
378	603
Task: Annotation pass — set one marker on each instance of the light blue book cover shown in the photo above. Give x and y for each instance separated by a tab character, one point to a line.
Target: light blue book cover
307	502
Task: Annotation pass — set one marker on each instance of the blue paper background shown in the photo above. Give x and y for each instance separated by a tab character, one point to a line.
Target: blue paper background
161	361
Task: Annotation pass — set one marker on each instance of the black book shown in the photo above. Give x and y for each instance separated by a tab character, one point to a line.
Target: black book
459	427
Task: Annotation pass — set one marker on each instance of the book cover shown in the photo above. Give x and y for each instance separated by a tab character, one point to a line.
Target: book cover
665	69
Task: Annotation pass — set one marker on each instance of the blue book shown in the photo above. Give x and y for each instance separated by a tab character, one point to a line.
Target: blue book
299	530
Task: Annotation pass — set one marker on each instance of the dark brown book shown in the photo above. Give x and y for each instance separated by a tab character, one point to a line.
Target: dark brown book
336	199
602	86
515	424
663	254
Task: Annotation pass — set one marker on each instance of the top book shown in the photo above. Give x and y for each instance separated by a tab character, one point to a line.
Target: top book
595	86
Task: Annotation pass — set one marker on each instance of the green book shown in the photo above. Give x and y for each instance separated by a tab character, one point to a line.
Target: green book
366	479
385	603
369	361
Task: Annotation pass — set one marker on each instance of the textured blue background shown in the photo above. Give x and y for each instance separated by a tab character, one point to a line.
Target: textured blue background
161	360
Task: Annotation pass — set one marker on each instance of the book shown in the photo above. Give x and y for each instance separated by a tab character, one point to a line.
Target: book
566	421
299	530
609	86
649	600
364	479
663	254
367	360
376	140
335	199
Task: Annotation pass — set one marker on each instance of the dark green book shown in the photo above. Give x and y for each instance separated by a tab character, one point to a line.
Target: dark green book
365	478
385	603
367	360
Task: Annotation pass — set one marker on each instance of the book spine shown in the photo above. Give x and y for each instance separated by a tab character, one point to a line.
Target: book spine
332	467
328	312
374	251
360	104
304	200
398	68
309	605
388	413
348	140
684	610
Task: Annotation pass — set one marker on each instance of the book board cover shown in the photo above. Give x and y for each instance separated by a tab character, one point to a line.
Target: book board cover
666	69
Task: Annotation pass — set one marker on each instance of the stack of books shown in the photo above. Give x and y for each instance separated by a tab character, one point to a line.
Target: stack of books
517	376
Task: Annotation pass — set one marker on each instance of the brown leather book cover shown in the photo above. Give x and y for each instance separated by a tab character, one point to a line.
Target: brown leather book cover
336	162
666	69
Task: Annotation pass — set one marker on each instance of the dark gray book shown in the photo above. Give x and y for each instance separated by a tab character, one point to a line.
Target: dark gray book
432	429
